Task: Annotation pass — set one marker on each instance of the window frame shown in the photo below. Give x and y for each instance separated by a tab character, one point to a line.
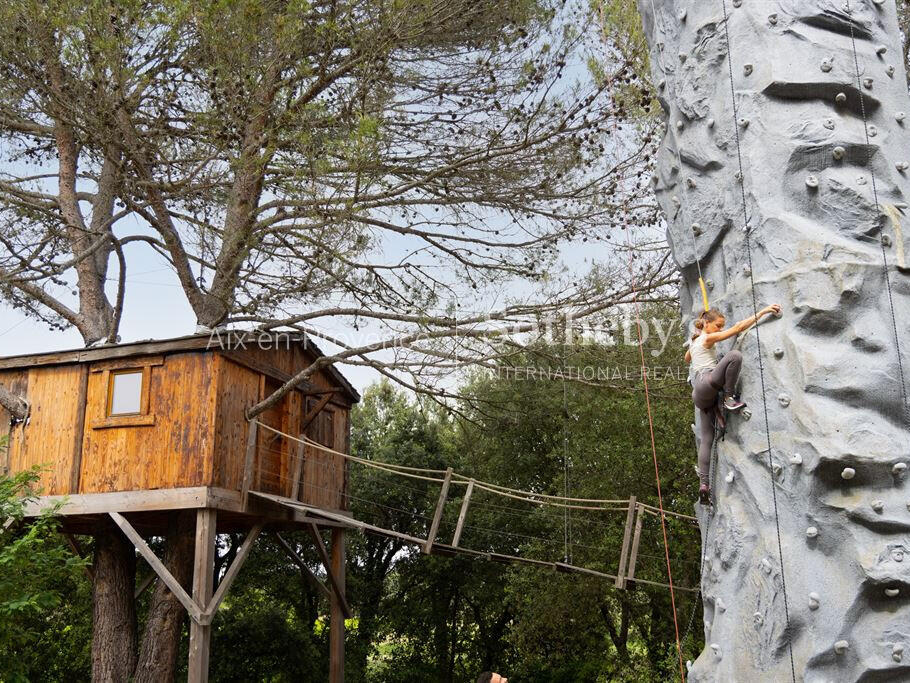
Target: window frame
108	372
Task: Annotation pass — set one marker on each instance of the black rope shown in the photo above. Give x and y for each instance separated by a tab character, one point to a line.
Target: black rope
862	107
761	370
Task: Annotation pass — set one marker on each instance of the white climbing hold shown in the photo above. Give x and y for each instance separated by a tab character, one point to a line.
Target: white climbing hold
886	240
867	83
676	201
747	271
758	619
829	124
662	83
710	123
738	176
811	532
691	183
827	64
744	123
682	15
841	646
767	566
696	228
902	166
813	601
812	181
682	56
747	69
877	505
796	459
746	414
861	180
737	3
890	71
881	49
899	469
897	554
900	116
716	649
876	2
721	606
772	19
784	400
839	153
777	469
729	478
778	352
892	592
848	473
840	98
709	284
873	131
679	125
897	652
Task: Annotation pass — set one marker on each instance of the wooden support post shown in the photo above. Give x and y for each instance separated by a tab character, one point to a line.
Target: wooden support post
626	539
338	605
298	468
636	537
248	463
310	576
463	513
203	578
437	517
335	580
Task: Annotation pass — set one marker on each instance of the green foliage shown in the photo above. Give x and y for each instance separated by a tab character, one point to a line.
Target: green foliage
45	603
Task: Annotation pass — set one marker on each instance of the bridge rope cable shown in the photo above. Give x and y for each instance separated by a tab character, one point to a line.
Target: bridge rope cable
660	499
761	370
871	166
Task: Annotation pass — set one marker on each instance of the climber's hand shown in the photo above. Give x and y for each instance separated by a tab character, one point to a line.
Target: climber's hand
772	309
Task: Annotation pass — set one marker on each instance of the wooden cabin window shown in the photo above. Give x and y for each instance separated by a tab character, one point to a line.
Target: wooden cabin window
125	393
125	401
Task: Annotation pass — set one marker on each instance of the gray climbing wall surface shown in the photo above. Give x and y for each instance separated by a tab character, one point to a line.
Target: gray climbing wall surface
838	429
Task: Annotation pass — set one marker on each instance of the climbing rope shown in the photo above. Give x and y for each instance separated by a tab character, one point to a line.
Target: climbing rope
862	106
660	499
761	370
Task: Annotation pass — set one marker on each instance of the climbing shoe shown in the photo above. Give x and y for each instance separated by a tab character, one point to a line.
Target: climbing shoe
704	494
733	404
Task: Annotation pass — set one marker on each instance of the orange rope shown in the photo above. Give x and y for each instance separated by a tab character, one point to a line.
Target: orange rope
660	499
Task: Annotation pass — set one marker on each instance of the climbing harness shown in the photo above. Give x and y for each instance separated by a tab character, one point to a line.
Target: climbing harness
761	370
890	211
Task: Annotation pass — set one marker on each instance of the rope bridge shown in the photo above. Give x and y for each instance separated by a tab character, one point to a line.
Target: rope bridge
635	518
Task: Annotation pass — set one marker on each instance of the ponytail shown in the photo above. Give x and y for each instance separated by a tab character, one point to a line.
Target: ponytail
708	316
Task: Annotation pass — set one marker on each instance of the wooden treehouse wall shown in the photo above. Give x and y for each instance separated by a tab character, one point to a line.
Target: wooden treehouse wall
194	432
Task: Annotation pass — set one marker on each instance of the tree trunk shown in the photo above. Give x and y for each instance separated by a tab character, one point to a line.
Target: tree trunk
164	626
813	532
15	405
113	607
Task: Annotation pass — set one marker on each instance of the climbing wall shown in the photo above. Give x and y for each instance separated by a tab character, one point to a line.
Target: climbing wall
817	145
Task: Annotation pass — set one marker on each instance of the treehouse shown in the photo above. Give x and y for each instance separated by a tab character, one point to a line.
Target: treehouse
136	431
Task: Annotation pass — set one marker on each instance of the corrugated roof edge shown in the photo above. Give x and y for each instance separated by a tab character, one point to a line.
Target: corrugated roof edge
194	342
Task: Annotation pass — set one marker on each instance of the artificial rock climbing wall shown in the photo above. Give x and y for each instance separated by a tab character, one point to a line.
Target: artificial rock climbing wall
812	167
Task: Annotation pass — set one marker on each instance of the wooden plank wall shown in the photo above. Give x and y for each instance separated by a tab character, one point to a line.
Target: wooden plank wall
51	437
174	452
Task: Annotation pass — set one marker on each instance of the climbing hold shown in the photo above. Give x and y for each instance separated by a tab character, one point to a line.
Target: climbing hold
777	469
867	83
873	131
886	240
691	183
716	649
679	125
709	284
899	469
772	19
897	652
747	69
827	64
812	181
758	619
861	180
729	478
840	98
744	123
841	646
881	49
746	414
721	607
778	352
682	56
682	15
897	554
747	271
739	176
877	505
900	116
688	665
784	400
892	592
848	473
813	601
662	83
796	459
696	228
676	201
710	123
766	565
890	71
902	166
875	2
829	124
811	532
839	153
737	3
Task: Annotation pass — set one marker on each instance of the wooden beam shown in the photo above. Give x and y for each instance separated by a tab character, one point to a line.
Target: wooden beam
339	610
636	538
203	578
248	463
135	501
437	517
311	577
626	538
231	574
298	468
336	582
314	411
463	513
81	400
191	607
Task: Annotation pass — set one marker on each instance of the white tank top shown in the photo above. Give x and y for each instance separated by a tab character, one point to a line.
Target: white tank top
702	358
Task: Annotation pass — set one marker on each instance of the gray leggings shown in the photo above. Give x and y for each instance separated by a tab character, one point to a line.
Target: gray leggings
704	395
